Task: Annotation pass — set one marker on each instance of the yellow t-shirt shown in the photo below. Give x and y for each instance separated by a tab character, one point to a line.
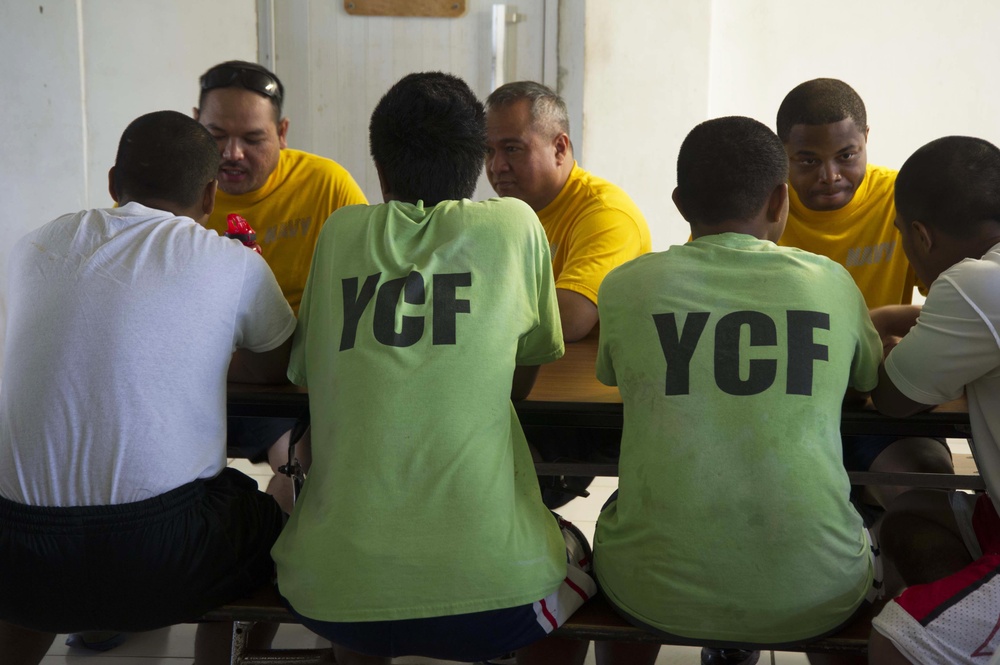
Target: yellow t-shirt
860	236
592	227
288	212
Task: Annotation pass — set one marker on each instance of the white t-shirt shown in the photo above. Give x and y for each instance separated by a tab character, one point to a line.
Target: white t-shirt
121	326
955	346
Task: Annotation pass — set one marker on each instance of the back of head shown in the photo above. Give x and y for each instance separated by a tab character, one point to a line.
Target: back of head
548	110
951	184
428	135
727	169
820	102
246	75
165	156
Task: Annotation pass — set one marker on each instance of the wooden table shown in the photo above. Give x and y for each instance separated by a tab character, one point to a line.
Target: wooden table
568	394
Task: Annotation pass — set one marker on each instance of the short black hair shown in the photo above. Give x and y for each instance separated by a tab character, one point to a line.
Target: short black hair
820	102
247	75
951	184
165	156
428	135
727	168
549	116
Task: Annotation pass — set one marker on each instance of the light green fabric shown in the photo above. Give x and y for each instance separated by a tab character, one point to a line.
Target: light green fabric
732	520
422	499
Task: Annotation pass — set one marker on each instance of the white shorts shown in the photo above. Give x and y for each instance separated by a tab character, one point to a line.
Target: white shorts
955	619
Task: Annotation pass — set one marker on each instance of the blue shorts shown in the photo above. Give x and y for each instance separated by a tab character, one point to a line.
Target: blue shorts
476	636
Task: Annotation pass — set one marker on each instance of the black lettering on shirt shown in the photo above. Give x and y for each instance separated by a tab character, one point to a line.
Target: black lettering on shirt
355	304
763	332
412	327
447	306
677	350
802	350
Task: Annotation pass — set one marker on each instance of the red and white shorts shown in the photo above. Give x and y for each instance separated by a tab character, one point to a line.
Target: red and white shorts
955	619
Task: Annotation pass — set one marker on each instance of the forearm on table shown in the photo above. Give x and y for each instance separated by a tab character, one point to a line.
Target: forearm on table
894	320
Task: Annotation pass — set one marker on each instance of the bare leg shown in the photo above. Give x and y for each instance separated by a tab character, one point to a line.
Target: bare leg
920	536
915	454
622	653
213	641
553	651
280	485
830	659
344	656
881	651
23	646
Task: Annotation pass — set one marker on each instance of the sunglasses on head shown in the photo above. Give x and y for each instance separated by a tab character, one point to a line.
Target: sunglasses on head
226	76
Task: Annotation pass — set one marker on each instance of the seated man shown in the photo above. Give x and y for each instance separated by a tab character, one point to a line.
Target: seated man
732	524
592	227
117	511
414	316
946	545
286	195
840	206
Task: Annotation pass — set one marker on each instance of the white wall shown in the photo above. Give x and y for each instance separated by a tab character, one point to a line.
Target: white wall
78	72
655	69
336	66
924	68
645	86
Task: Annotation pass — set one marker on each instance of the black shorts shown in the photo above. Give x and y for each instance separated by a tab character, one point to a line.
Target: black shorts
136	566
252	437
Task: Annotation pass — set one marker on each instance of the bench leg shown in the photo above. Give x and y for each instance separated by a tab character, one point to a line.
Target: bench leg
241	634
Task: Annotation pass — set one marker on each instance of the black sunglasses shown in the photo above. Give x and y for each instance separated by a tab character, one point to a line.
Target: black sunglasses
225	76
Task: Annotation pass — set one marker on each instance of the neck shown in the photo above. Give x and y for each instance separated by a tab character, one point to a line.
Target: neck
750	227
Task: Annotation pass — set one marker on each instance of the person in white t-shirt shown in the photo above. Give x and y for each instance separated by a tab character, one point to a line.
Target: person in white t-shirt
117	511
946	545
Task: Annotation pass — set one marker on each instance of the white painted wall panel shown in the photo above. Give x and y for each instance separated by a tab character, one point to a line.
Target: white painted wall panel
79	72
925	69
645	86
336	67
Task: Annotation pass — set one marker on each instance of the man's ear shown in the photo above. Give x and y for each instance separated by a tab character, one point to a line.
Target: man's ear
383	184
208	198
675	196
561	144
777	204
923	236
194	113
282	133
111	185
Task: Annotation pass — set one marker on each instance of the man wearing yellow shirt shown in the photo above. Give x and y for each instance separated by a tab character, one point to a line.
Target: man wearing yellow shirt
286	195
592	225
842	207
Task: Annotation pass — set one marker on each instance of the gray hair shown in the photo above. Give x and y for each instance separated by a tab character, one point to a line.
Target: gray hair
548	110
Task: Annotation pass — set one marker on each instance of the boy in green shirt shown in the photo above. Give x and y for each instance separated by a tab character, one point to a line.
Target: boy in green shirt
420	529
733	356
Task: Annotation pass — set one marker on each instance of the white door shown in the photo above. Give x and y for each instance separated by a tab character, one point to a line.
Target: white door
336	66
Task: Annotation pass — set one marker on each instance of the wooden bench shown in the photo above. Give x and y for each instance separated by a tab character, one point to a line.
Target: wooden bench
595	621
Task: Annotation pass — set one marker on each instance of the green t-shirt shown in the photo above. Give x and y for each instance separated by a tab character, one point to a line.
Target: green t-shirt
733	521
422	499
